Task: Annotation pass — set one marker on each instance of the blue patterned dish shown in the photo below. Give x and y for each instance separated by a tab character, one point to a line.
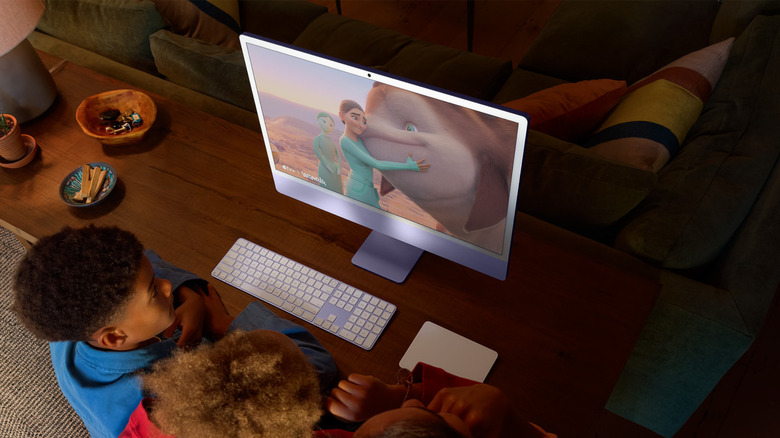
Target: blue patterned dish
71	185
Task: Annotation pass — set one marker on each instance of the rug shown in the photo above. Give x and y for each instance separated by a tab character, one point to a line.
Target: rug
31	404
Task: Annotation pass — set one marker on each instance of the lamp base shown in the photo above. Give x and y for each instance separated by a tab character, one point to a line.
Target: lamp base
26	87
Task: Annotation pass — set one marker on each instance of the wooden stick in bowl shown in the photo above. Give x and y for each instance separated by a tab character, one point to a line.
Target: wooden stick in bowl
96	184
86	174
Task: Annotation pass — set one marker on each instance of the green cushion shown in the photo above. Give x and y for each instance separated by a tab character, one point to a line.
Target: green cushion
451	69
351	40
616	39
570	186
704	194
209	69
116	29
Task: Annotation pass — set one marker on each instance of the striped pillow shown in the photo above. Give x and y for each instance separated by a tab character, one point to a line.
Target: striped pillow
649	125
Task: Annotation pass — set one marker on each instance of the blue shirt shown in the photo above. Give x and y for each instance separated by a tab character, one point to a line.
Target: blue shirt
103	387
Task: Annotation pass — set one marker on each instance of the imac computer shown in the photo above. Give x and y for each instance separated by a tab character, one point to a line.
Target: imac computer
424	169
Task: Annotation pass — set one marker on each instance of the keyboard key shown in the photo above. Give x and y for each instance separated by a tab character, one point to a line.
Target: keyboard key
310	307
346	334
369	342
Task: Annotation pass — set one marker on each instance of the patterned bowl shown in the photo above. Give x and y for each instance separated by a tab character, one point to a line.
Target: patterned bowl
125	101
71	185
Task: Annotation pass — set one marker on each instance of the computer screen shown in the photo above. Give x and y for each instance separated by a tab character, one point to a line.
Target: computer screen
424	169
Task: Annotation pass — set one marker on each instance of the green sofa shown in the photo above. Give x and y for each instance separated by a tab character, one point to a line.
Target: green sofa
707	220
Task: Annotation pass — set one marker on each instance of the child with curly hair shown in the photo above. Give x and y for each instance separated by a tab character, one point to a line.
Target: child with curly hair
110	309
248	384
258	384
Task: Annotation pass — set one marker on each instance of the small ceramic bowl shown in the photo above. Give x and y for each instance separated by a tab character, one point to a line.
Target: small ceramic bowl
71	185
126	101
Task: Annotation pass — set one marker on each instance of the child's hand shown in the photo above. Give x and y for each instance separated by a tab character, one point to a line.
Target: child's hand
189	316
482	407
217	317
361	397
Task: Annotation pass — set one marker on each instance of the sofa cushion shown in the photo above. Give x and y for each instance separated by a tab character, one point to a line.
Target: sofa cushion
632	38
734	16
118	30
522	83
571	186
570	111
280	20
748	268
209	69
203	20
335	35
453	70
647	128
450	69
705	193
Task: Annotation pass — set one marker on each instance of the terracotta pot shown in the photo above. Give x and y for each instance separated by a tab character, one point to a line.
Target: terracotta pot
12	146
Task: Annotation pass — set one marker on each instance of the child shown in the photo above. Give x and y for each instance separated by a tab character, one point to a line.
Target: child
248	384
236	388
431	403
102	303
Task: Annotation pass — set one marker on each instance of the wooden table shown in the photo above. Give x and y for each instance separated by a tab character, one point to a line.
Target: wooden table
563	323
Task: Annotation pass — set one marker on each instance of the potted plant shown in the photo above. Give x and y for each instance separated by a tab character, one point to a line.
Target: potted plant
12	147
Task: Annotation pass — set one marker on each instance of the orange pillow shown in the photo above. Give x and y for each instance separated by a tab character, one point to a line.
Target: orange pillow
570	111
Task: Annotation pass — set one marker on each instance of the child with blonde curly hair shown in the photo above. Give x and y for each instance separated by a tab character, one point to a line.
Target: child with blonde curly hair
249	384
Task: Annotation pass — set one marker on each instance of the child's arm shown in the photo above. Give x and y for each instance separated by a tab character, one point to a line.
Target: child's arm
190	314
218	319
361	397
486	411
189	304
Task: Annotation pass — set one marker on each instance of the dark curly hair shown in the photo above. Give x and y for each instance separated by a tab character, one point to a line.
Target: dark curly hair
76	281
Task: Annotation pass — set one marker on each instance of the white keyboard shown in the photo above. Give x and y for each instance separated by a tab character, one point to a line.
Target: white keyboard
349	313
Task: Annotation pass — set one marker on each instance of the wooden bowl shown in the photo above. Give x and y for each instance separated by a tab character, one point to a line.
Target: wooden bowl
126	101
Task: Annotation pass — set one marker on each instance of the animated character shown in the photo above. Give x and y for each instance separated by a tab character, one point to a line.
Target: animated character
360	181
327	152
468	190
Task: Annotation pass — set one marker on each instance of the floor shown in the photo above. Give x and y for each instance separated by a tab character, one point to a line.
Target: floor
746	403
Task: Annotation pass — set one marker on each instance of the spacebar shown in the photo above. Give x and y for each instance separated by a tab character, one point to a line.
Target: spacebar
263	295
